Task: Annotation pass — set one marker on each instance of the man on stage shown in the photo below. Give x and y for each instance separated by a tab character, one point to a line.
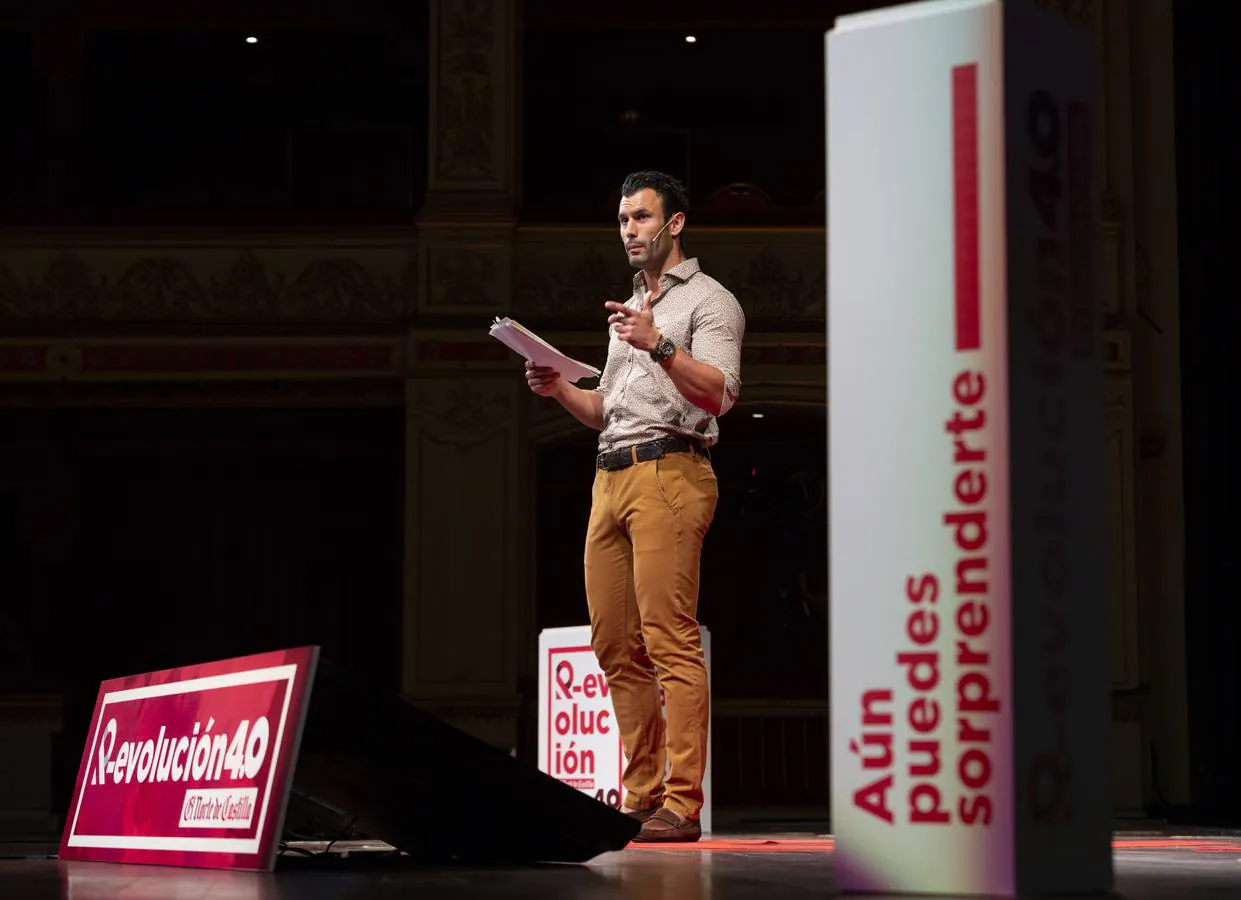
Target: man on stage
673	368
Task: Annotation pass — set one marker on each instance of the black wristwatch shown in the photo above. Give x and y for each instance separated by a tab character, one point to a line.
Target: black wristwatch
664	349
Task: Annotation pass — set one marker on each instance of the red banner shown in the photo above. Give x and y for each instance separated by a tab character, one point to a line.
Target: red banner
192	766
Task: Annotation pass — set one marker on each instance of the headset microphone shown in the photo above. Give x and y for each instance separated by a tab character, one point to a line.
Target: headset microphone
661	231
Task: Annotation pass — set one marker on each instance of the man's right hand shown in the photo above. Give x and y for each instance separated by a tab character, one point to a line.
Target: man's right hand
543	380
585	406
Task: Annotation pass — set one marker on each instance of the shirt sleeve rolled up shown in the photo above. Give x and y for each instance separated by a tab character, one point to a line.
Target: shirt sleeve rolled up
718	330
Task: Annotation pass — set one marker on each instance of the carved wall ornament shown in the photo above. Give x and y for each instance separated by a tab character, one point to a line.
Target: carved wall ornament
576	291
466	98
568	278
247	288
65	290
462	277
326	285
166	289
770	288
158	288
460	414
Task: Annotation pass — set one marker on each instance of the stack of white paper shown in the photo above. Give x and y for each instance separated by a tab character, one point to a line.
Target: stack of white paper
525	342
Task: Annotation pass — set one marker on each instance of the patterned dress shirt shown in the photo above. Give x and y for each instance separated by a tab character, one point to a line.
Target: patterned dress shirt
640	402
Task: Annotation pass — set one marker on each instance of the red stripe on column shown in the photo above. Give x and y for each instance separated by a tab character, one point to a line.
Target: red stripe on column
965	203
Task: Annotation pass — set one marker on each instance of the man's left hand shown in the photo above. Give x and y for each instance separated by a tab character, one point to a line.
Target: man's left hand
634	327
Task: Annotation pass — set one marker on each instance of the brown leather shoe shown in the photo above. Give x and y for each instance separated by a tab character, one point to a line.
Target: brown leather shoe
640	814
668	827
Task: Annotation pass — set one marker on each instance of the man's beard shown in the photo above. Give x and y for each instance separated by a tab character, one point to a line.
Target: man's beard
639	260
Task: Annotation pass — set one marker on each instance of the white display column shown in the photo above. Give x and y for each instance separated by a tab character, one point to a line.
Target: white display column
970	695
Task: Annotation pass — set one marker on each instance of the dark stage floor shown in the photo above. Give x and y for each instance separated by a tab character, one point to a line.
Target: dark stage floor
1148	867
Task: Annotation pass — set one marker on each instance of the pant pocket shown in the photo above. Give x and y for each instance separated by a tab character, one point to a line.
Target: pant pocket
669	481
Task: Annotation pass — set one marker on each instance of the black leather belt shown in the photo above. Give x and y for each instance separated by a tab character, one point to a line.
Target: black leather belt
623	458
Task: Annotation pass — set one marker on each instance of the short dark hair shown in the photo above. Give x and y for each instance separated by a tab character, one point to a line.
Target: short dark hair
672	193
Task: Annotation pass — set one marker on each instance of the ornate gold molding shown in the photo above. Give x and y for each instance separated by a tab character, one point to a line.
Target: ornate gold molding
567	274
460	413
573	290
472	95
553	278
197	285
781	286
462	277
465	97
549	274
466	273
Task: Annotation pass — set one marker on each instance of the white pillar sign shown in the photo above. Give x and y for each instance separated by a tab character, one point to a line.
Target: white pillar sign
969	690
579	742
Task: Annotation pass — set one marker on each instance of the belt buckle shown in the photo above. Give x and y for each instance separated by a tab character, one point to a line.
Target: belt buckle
611	460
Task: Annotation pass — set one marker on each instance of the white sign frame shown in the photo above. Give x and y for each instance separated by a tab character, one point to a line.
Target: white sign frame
586	687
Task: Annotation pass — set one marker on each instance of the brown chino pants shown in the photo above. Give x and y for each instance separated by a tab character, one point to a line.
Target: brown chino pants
643	546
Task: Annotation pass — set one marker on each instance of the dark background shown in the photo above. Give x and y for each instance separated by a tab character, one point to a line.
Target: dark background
1207	151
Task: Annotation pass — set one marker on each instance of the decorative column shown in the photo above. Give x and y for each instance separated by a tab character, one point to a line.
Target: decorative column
473	83
466	584
465	227
465	588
